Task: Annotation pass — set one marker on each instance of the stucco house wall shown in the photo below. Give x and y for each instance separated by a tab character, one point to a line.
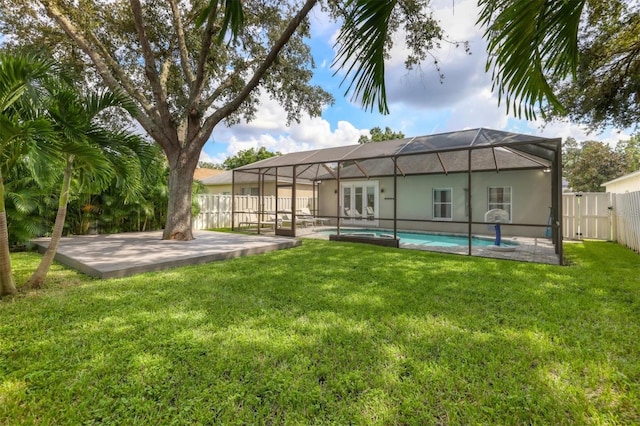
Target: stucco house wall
531	200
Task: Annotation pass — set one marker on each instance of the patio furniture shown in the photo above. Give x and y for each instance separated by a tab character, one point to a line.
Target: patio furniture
353	214
299	220
305	213
251	220
370	213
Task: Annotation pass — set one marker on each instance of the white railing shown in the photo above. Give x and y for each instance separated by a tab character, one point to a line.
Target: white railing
215	209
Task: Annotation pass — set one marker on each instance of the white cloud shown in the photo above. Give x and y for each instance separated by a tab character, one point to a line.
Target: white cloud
210	159
420	104
563	129
464	74
479	109
269	129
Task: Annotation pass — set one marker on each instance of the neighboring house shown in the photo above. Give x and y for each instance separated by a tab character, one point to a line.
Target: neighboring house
441	183
203	173
626	183
248	185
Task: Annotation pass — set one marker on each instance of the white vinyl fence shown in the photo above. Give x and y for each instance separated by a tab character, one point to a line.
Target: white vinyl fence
627	211
215	209
604	216
588	215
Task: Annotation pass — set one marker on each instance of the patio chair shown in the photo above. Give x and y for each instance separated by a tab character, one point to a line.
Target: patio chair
352	214
370	213
299	220
251	220
306	214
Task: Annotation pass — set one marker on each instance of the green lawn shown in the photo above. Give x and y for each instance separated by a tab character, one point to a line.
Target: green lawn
330	333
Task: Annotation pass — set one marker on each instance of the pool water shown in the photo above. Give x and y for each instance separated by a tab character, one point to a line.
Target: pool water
434	240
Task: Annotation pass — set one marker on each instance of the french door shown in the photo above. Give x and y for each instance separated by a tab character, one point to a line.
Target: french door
359	203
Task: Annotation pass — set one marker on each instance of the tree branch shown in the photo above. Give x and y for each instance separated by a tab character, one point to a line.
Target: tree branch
182	44
106	67
151	72
207	37
235	103
103	61
227	83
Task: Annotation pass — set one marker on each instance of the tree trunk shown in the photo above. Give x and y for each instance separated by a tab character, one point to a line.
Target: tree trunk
39	275
181	169
7	285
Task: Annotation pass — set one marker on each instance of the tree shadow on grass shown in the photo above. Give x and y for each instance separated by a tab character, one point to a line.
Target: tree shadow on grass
336	333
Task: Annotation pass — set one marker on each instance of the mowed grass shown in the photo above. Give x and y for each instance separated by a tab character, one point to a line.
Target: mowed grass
330	333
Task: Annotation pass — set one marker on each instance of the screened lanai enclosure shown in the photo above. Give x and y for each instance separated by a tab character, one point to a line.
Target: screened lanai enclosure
479	190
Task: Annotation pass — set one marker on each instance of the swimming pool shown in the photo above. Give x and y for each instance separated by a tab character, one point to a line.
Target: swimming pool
423	239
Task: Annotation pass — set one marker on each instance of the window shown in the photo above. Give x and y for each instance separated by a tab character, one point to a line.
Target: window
500	198
254	191
442	206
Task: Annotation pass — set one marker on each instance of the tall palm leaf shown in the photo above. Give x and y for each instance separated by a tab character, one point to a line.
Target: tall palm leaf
27	200
362	50
232	20
20	131
530	43
92	153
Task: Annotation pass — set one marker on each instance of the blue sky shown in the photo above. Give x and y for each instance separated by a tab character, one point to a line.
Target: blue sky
420	104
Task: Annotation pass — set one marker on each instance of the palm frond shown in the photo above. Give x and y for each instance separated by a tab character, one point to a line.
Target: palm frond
530	43
362	50
232	21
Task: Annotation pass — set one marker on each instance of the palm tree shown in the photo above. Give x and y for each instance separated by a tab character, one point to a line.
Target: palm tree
530	44
27	200
21	132
93	154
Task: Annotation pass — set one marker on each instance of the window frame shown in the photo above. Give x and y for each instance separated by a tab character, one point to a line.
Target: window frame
435	203
252	191
494	205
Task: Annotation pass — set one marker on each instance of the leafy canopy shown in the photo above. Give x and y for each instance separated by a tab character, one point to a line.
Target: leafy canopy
590	164
605	90
377	135
248	156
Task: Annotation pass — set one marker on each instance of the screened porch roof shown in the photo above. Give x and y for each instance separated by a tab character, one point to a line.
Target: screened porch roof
439	153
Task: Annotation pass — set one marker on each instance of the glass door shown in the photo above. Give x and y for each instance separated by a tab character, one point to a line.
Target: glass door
346	202
360	203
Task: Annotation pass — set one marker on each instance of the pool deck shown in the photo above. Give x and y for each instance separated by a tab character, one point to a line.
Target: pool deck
120	255
536	250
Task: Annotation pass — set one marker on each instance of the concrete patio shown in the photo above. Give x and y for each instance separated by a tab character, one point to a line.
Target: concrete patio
121	255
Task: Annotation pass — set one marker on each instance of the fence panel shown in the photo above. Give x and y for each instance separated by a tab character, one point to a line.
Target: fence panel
588	215
627	212
215	212
215	209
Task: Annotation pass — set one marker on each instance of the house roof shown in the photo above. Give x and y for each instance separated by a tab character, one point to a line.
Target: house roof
223	178
440	153
202	173
622	178
226	178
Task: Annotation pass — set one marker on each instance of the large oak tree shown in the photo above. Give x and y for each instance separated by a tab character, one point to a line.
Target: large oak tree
186	73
